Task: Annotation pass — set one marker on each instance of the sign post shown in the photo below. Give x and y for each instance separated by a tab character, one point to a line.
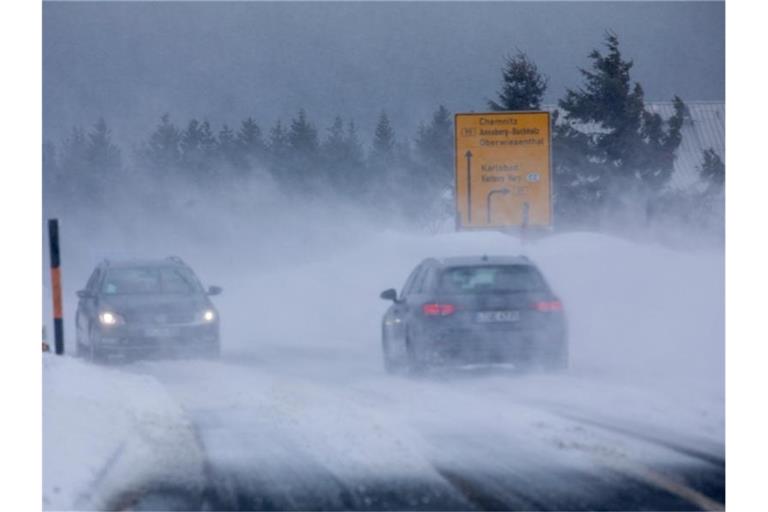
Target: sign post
503	170
58	321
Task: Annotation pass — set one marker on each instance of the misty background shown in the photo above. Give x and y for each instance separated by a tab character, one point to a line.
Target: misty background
131	62
355	101
271	134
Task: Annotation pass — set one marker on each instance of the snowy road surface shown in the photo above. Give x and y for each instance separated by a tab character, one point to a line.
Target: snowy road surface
299	414
318	432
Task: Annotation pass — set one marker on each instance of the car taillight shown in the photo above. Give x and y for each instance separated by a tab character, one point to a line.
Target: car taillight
547	306
438	309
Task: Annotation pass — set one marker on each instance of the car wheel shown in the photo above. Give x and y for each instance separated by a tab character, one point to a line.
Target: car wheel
91	351
416	364
392	364
558	361
80	350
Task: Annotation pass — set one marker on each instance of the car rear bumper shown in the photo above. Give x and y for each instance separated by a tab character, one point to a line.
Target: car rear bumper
467	347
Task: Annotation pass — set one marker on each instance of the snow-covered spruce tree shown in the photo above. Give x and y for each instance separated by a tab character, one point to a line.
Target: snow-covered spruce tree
610	152
523	86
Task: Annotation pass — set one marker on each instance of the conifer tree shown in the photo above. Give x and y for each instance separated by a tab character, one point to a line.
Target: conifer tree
334	145
227	147
162	150
278	141
434	144
608	147
101	153
250	143
523	85
302	137
383	141
712	171
354	149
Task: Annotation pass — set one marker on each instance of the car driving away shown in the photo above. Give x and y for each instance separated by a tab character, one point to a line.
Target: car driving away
146	308
474	310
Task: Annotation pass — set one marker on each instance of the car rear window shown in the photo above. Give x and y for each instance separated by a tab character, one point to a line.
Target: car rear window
491	279
135	280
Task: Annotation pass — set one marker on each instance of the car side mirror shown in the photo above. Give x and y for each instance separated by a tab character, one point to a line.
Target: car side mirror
214	290
84	294
390	294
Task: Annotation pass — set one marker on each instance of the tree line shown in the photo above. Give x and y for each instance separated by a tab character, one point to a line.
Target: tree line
608	150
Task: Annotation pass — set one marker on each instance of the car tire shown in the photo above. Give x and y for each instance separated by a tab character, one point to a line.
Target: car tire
558	362
80	350
392	364
416	365
92	352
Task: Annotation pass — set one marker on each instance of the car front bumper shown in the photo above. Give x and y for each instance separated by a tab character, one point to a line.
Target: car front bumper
158	339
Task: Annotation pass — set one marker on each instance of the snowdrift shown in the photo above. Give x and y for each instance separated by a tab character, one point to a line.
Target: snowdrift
106	431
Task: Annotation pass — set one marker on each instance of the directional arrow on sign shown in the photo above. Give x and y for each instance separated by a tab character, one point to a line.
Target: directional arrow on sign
468	154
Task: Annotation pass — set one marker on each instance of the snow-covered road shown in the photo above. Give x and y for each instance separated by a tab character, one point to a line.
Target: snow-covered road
299	413
319	431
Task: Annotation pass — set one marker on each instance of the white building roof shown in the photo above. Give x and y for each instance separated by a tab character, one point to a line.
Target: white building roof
704	128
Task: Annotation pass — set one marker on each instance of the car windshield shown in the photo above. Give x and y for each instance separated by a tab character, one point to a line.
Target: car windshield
149	280
491	279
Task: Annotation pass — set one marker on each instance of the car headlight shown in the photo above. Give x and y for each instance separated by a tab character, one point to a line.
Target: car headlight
110	318
209	315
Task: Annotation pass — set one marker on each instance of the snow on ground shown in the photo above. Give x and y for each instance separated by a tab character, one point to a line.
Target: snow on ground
646	322
301	383
105	430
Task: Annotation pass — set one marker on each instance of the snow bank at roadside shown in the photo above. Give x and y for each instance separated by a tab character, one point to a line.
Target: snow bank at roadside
107	432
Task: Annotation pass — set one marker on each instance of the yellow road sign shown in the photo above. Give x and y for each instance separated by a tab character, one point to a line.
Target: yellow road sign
503	170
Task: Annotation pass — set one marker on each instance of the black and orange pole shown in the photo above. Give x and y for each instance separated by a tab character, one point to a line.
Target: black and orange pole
58	321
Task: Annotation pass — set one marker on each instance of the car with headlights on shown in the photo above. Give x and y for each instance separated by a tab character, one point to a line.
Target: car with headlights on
474	310
146	308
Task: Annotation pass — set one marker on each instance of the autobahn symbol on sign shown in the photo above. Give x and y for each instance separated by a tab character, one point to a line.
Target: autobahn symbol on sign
503	176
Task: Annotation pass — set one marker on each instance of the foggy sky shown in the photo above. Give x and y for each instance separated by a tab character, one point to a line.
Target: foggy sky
131	62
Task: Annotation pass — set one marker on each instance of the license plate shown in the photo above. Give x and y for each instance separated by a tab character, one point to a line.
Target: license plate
160	332
498	316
